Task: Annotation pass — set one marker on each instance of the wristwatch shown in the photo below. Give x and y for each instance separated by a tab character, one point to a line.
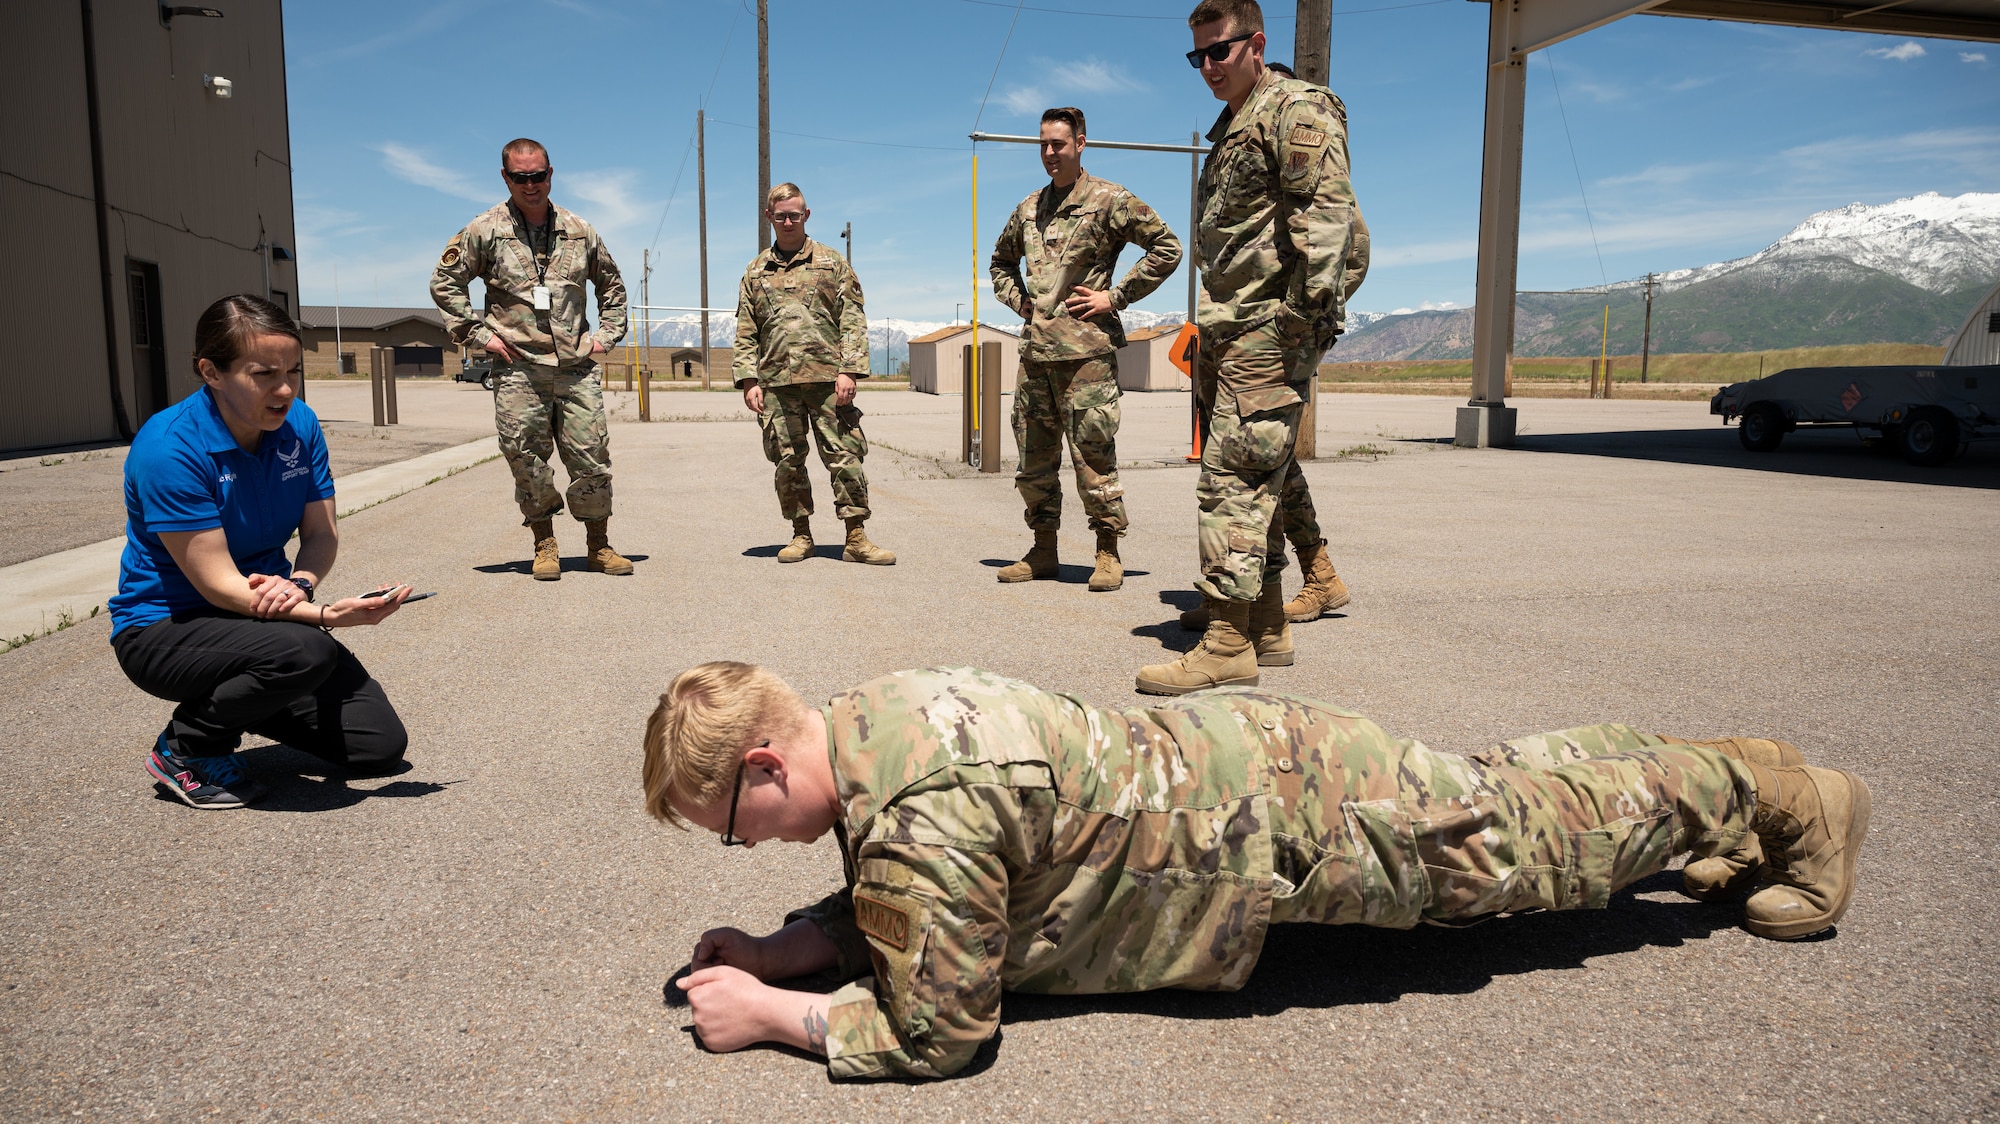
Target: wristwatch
305	586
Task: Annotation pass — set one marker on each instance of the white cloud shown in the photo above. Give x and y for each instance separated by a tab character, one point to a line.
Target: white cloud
607	200
1055	80
407	163
1423	253
1662	175
1427	306
1902	52
1971	149
1972	56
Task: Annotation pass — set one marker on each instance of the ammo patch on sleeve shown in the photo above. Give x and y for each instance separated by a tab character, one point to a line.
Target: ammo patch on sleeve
884	920
1305	136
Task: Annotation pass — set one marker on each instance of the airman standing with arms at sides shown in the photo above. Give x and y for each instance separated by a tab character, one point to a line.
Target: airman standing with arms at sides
801	347
1069	234
1323	591
1277	221
535	258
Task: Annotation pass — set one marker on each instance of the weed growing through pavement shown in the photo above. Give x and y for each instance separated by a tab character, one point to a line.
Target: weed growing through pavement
64	619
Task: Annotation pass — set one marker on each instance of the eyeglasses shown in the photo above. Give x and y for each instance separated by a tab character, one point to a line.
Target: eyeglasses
729	837
1215	52
787	218
542	174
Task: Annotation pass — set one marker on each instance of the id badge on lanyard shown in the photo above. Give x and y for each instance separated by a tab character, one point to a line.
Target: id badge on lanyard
541	298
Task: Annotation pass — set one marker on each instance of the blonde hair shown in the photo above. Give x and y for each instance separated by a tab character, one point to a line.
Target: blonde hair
782	192
709	717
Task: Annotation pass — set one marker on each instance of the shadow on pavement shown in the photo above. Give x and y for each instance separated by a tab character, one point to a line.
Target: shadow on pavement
1340	965
1066	574
299	782
570	565
1828	452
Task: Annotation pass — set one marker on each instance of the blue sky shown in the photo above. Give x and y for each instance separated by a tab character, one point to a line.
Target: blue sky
1694	141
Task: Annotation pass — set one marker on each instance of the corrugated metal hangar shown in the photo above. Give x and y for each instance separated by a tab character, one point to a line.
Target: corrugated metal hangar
145	170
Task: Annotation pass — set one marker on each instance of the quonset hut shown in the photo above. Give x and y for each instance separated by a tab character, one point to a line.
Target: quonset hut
1977	344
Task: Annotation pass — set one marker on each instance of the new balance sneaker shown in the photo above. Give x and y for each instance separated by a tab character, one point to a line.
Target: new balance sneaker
202	782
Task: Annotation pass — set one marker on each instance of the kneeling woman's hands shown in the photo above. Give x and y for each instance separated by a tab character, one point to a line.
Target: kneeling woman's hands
350	611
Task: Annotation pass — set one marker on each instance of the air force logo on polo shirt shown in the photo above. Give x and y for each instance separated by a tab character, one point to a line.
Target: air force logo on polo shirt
291	461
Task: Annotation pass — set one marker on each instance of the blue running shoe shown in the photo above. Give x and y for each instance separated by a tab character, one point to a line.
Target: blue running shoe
202	782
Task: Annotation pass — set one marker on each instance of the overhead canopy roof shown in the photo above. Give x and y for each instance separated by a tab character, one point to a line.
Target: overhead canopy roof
1941	19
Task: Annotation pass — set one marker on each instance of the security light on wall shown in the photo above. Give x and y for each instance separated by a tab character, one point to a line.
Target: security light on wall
168	12
218	85
279	253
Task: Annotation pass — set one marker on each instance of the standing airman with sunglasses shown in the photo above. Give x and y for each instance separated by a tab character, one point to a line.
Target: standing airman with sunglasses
1277	227
535	258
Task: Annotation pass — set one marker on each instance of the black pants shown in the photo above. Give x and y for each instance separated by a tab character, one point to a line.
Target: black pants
288	682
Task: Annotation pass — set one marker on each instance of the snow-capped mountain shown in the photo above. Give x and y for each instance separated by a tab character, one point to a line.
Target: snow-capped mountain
1904	271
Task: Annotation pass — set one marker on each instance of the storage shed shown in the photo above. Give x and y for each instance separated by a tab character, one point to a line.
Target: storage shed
937	359
1977	344
1143	363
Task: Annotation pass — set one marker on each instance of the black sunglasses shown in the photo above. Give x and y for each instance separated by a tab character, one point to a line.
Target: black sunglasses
1215	52
729	838
539	176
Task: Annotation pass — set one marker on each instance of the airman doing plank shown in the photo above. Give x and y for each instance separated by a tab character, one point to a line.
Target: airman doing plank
801	347
999	837
1068	236
1276	231
535	259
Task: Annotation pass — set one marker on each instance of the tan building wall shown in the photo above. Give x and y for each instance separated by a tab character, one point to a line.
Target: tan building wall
1144	363
937	360
356	342
196	189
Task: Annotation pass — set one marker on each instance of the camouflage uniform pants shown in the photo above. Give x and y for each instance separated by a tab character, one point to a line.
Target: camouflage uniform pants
1553	821
1077	399
794	417
1296	514
539	410
1252	435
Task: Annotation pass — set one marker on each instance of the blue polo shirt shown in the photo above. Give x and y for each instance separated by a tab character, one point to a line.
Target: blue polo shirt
186	473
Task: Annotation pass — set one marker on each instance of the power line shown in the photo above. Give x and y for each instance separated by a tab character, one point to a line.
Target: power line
1549	57
702	104
1268	18
996	64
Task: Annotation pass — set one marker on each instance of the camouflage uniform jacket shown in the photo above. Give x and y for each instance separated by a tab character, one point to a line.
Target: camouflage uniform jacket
1277	216
997	835
1073	238
799	321
499	248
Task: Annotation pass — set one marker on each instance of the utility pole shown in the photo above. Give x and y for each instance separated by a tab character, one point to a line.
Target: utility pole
1312	57
1312	53
763	124
701	192
847	235
1646	348
646	329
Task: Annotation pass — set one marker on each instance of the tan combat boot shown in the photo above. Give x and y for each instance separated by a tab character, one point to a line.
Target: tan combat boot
1726	877
859	549
597	546
1811	823
548	559
801	546
1040	562
1323	592
1269	634
1110	572
1223	658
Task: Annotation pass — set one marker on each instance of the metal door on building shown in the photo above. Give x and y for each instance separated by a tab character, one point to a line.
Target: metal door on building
149	341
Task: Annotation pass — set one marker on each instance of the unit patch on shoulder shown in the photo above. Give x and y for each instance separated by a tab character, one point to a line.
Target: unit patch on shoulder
886	921
1299	162
1305	136
451	256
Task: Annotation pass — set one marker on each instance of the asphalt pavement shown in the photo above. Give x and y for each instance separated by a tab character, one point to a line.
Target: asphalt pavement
486	936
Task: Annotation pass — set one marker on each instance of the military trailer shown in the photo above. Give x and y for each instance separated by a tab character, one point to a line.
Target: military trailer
1928	414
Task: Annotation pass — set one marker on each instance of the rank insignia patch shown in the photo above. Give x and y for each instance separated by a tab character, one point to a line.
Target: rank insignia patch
883	920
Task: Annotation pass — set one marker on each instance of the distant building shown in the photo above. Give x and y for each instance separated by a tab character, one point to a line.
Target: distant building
1144	362
937	359
689	362
422	346
146	172
1977	344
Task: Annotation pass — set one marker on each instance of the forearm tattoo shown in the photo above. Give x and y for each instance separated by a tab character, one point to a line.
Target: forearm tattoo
815	1031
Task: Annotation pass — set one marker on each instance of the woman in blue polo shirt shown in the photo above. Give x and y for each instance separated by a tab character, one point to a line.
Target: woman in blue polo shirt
210	613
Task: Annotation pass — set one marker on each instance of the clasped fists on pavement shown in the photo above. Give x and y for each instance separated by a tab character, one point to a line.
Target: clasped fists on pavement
731	1007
